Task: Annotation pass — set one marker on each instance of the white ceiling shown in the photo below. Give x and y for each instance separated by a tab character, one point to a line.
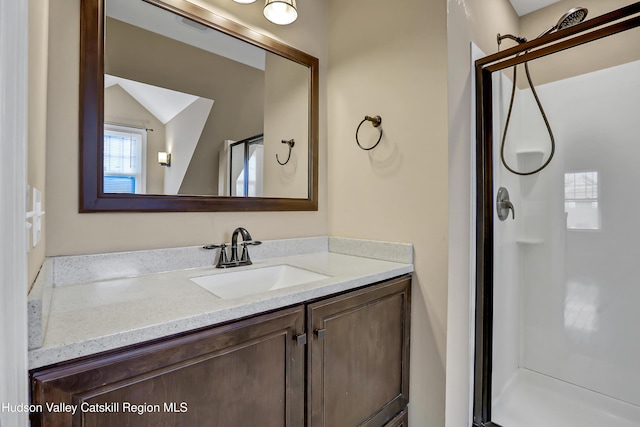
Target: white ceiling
523	7
163	103
157	20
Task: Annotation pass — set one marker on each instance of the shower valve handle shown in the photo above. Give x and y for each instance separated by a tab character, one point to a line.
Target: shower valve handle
507	205
503	205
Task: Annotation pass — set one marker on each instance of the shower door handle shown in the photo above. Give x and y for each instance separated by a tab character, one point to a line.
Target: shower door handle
503	205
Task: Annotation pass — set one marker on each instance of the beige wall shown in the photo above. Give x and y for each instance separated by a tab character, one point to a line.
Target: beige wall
72	233
392	61
605	53
121	108
286	117
37	120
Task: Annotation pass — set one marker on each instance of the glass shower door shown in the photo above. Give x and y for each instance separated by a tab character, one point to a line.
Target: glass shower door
558	271
566	270
246	167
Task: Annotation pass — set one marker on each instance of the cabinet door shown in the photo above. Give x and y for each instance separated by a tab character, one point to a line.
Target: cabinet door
402	420
247	373
359	356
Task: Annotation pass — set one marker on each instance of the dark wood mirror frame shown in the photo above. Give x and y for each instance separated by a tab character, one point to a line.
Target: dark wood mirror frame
92	196
588	31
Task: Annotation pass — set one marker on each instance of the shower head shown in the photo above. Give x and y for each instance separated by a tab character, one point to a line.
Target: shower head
572	17
569	19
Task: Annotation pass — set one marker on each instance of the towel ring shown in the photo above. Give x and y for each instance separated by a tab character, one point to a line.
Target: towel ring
376	121
290	143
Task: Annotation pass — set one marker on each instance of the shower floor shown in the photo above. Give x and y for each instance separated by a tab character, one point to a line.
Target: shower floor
534	400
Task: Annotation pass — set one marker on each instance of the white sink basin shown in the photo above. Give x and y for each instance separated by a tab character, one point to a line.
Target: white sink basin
234	284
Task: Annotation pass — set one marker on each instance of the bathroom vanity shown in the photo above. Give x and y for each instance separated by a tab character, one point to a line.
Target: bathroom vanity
331	352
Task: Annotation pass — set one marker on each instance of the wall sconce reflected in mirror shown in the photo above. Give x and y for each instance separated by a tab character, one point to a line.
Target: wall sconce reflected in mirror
281	12
164	158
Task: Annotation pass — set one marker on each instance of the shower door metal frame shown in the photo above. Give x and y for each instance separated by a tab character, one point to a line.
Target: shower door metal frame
257	139
594	29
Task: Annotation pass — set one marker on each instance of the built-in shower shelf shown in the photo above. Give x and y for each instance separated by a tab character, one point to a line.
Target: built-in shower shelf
529	152
529	241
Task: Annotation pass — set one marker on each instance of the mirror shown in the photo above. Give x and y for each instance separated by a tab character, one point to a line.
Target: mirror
218	100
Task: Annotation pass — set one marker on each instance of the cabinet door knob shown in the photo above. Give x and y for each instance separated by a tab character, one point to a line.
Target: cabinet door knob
321	333
301	339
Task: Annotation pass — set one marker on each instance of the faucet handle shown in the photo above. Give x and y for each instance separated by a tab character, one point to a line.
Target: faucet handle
244	258
221	245
222	259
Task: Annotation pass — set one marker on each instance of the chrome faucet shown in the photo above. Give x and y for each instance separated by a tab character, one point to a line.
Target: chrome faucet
247	240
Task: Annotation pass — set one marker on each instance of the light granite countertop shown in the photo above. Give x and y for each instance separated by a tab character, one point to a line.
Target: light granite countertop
92	317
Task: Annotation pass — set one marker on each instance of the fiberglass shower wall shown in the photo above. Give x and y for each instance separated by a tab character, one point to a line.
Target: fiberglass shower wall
567	269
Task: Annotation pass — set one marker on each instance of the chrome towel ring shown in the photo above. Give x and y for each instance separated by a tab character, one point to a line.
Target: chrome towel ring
376	121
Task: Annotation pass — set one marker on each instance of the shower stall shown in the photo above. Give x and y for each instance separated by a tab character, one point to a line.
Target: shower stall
557	292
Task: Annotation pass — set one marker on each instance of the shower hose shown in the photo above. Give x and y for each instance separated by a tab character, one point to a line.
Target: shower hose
544	117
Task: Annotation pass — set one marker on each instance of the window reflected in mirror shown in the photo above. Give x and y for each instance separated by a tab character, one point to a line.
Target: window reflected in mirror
124	162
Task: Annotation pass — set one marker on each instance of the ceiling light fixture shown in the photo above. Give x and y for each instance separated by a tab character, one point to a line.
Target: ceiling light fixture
244	1
281	12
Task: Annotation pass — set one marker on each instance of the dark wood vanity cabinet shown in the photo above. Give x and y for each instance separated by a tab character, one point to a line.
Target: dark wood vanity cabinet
358	369
252	372
247	373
